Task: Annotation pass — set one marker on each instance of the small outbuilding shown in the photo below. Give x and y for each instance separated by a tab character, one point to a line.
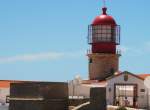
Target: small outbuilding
127	89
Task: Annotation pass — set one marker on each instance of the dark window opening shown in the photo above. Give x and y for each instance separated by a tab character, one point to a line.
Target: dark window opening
112	71
142	90
90	60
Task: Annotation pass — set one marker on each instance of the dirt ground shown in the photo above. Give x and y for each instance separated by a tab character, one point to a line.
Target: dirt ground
114	108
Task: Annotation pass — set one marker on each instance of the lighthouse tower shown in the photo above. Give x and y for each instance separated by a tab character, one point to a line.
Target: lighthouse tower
103	36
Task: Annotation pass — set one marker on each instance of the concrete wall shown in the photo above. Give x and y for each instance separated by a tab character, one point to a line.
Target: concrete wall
142	96
102	65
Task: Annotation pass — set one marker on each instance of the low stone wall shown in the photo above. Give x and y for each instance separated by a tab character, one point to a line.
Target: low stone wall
38	96
76	102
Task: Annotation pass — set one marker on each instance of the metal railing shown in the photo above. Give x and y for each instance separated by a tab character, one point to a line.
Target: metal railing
118	52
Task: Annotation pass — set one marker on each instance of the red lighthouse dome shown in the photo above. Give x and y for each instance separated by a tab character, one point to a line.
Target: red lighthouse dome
104	19
104	34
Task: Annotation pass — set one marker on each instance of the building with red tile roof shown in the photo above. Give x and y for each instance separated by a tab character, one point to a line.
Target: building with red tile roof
144	76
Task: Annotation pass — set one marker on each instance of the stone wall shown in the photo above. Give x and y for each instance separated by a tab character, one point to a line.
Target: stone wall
39	96
102	65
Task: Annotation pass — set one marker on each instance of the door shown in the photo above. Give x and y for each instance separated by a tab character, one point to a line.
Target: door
125	95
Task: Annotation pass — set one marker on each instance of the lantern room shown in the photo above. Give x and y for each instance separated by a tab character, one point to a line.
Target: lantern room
104	34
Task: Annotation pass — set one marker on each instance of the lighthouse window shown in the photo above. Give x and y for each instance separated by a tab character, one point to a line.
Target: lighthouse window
104	27
93	31
108	31
90	60
99	31
108	35
102	33
108	27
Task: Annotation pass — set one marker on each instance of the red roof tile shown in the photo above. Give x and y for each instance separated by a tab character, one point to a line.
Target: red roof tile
6	84
144	76
92	81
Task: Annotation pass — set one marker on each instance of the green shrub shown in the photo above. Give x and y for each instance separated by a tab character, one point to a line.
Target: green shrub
121	108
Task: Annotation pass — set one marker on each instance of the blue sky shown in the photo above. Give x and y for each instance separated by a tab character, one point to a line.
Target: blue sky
46	39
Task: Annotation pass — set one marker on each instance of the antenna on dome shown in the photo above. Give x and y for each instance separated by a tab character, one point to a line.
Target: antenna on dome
104	3
104	9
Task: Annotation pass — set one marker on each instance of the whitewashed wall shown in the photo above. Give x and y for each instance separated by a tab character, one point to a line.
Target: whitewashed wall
142	99
3	93
78	90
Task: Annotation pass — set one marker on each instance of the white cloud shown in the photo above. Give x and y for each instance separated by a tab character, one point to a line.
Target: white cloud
75	54
148	44
31	57
123	49
41	56
134	50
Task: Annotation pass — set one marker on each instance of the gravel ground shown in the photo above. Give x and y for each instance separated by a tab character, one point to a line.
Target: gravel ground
114	108
3	107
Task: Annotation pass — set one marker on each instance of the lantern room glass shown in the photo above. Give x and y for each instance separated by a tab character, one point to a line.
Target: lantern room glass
104	33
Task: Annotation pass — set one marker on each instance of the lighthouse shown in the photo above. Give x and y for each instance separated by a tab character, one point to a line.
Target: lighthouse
103	38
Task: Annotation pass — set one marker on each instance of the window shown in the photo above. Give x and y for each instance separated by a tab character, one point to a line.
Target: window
90	60
142	90
102	33
112	70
